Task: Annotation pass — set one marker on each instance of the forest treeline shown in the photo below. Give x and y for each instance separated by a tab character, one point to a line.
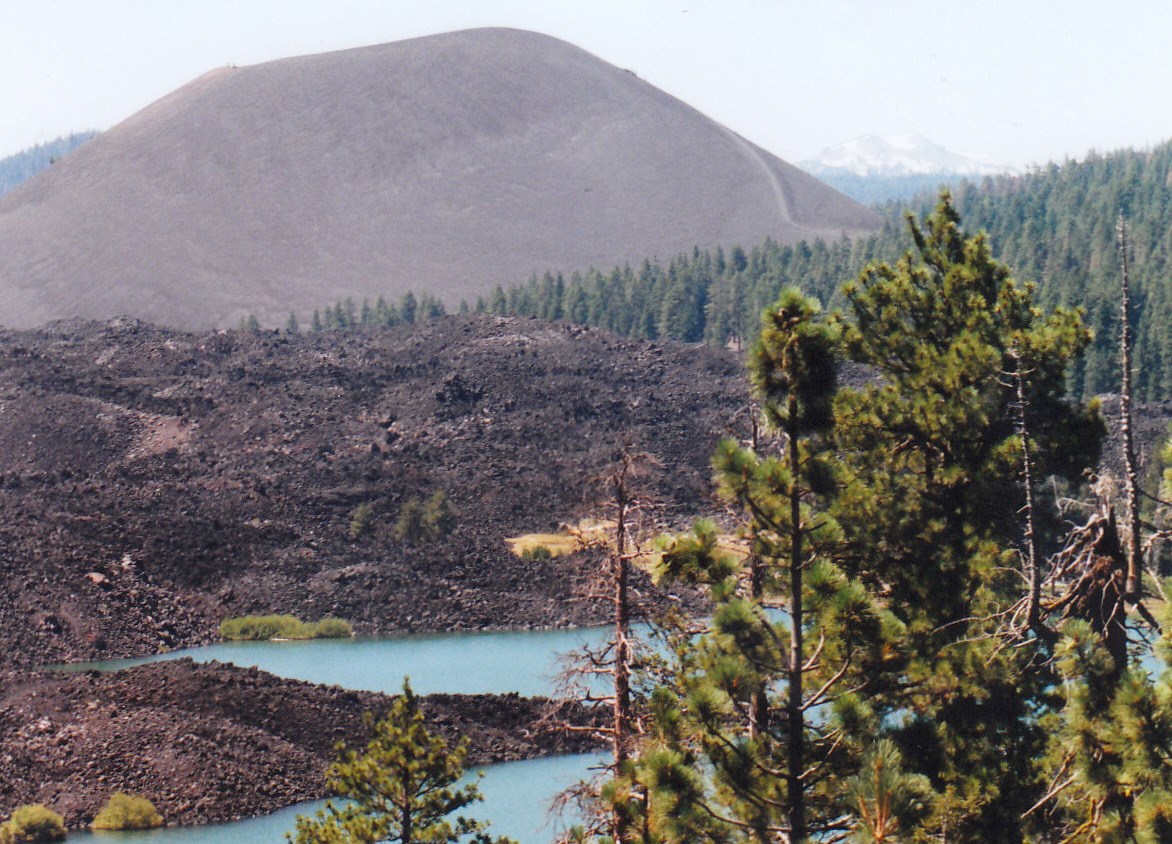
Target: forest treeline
1054	227
27	163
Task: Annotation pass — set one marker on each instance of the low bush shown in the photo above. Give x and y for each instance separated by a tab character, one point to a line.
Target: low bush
260	628
409	526
438	520
361	521
332	628
428	520
31	824
537	553
127	811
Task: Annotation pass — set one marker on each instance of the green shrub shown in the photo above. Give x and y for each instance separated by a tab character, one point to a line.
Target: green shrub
361	521
424	520
260	628
409	526
31	824
126	811
537	553
438	520
332	628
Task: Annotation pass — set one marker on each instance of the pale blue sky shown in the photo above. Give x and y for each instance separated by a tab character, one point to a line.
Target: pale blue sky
1020	82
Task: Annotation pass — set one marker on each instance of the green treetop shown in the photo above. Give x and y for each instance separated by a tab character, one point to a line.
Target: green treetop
402	788
930	492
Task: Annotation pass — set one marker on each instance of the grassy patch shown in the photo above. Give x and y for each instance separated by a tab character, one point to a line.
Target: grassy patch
259	628
595	533
556	544
588	533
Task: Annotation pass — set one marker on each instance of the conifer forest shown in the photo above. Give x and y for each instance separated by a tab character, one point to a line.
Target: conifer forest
935	624
1055	227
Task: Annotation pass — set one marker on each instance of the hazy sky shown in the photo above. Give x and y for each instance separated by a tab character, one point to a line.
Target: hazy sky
1022	81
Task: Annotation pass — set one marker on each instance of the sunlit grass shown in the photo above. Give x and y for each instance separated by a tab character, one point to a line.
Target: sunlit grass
598	534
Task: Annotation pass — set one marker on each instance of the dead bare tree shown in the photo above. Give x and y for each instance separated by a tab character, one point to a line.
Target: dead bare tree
620	546
1098	575
1031	554
1130	472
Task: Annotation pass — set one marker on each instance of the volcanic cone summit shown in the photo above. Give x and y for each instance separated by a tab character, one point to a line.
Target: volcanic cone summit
445	164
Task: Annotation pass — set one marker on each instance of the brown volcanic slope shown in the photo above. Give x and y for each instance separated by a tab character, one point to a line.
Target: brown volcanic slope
443	164
152	481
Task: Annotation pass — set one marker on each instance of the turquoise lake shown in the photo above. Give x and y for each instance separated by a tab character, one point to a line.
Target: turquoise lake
527	662
517	794
517	798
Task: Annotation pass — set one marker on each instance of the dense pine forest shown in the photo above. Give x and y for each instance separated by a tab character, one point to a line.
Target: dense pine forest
1054	227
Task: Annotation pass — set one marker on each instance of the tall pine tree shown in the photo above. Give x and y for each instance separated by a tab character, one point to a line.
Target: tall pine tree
748	741
931	488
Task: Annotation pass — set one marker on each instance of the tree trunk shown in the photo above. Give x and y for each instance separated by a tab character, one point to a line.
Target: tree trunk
1131	482
759	707
1032	555
620	742
796	717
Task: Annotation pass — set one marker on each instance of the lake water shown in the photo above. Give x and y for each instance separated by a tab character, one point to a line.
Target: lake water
527	662
517	794
517	798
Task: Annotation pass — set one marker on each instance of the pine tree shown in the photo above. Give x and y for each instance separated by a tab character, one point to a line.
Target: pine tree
401	788
931	455
743	748
1112	748
384	314
497	303
430	307
408	308
886	800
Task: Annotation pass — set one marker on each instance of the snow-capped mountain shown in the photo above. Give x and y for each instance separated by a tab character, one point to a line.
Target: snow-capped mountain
898	155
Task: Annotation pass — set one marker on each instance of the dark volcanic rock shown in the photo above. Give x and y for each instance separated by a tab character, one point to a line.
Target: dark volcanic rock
1151	420
153	482
214	742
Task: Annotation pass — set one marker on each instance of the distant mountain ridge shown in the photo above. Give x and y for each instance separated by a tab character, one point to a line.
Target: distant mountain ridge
444	164
877	168
899	155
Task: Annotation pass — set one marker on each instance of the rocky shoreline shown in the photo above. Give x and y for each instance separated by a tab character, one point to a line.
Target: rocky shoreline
213	742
